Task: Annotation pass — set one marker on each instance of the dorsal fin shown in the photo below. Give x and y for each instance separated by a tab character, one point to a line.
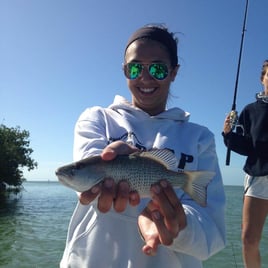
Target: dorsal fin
165	157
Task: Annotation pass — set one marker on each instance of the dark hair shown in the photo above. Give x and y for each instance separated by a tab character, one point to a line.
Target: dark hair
160	34
264	69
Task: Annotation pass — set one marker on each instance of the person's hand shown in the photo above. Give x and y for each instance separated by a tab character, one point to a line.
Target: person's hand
163	218
227	126
110	193
230	122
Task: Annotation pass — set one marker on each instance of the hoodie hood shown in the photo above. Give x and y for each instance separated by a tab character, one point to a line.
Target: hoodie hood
176	114
262	97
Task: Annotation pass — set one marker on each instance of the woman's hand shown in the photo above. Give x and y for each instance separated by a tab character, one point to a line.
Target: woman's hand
227	125
110	193
230	122
162	219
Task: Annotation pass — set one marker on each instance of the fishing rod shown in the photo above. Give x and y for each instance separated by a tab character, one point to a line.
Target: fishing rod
233	114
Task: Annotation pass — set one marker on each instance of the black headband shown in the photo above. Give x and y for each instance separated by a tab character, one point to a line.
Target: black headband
160	35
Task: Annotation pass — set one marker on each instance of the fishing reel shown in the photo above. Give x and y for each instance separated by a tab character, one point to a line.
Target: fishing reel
233	121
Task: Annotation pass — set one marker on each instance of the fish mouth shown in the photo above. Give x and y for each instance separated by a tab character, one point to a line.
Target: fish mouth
62	177
60	174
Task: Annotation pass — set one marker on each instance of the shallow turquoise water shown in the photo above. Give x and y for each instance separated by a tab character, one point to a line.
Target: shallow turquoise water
33	228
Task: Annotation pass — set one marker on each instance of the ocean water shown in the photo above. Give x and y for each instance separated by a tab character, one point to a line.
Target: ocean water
33	228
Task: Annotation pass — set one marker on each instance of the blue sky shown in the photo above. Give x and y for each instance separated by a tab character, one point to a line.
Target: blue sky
58	57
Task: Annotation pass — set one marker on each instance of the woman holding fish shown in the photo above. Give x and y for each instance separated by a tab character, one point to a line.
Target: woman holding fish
158	198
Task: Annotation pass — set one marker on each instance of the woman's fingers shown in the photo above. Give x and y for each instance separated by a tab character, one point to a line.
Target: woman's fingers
88	196
107	195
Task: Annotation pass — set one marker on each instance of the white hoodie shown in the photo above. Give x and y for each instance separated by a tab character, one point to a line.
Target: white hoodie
112	240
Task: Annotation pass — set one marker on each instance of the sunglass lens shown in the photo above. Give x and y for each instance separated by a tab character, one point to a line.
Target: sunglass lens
134	70
158	71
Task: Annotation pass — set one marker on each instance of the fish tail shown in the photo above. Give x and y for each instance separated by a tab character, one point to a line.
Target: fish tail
196	185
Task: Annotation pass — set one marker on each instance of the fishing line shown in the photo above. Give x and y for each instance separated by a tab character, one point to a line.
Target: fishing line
233	114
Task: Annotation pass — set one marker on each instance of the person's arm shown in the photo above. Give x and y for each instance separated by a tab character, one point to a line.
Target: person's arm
239	141
89	134
205	231
183	225
163	218
90	139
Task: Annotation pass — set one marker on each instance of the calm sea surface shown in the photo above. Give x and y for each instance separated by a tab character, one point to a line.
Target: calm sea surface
33	228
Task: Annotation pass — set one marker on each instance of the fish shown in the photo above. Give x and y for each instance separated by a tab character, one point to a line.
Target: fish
140	169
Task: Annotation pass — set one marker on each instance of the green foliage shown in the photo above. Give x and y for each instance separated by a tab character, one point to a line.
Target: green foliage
14	155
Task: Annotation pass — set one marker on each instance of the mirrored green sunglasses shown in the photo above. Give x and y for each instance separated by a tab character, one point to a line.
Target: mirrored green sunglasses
158	71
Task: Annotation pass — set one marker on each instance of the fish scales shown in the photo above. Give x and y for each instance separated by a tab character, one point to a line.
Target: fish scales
140	170
140	173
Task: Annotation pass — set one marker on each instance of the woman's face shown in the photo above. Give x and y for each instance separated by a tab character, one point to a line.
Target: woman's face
148	93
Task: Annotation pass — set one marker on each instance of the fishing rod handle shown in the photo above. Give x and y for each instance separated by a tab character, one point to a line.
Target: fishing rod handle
233	119
228	156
